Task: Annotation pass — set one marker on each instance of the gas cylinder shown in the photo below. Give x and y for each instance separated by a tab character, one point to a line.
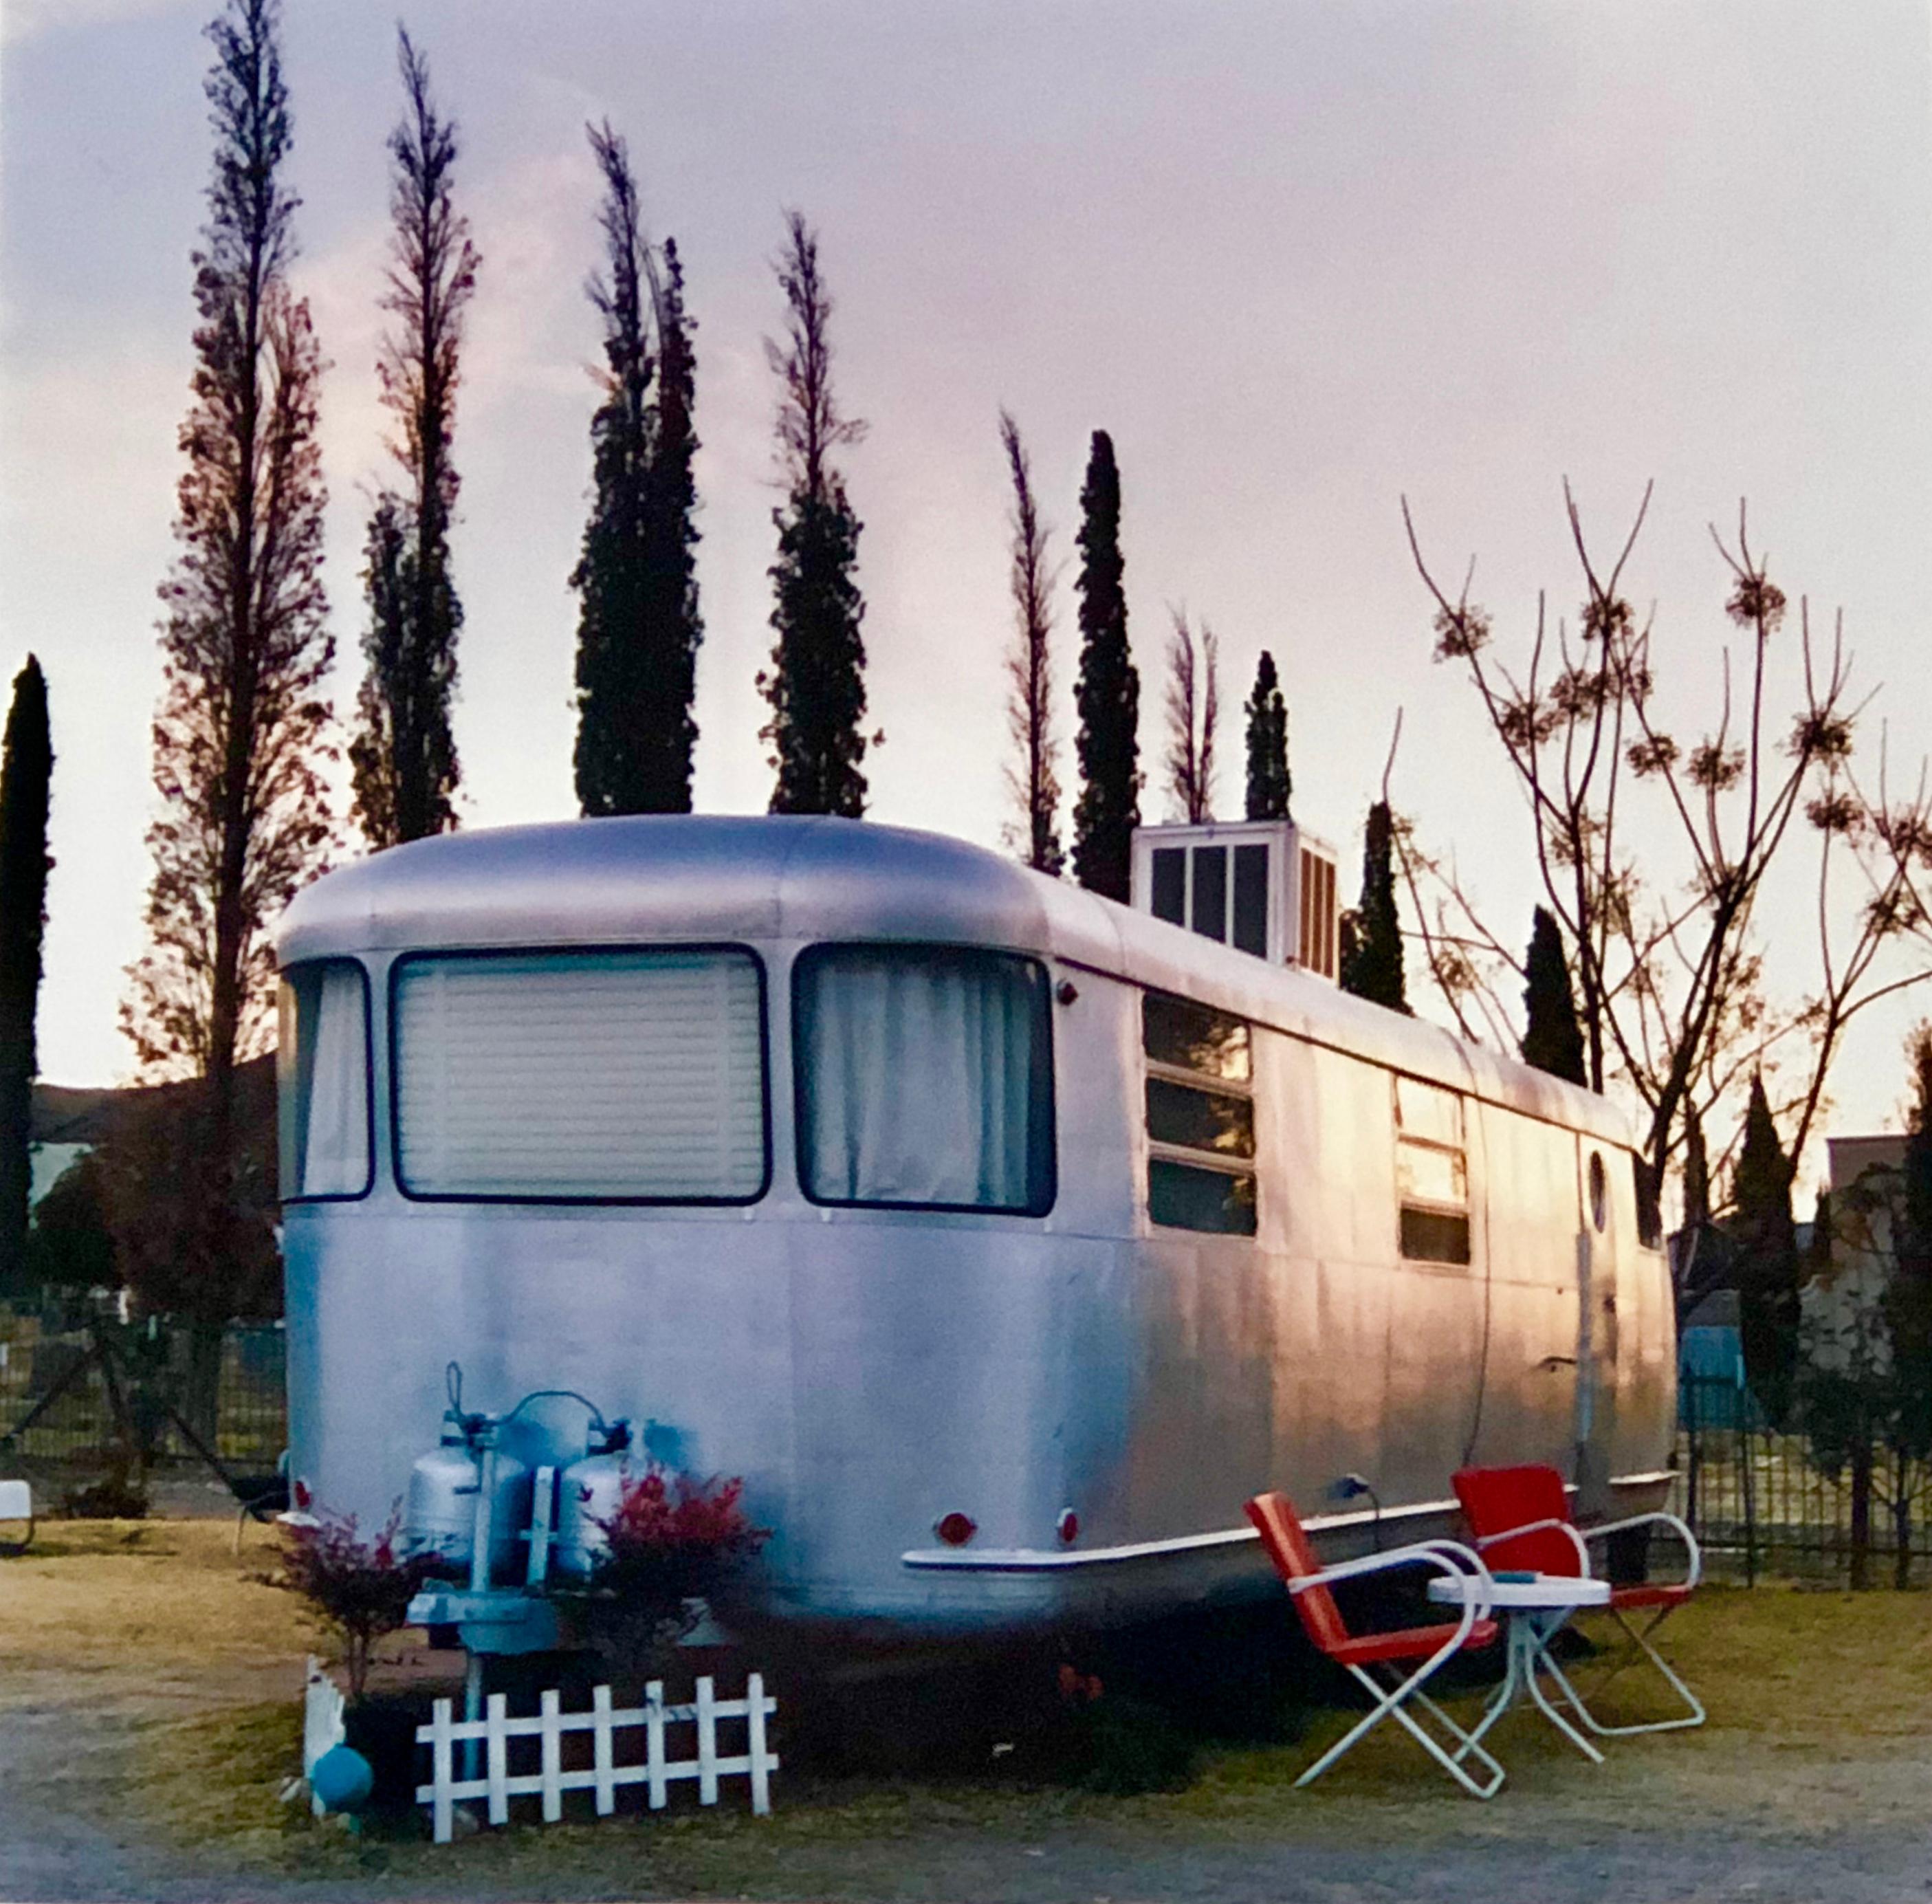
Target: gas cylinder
442	1513
589	1492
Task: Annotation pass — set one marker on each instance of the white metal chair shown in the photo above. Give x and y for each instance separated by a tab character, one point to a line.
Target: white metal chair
17	1517
1520	1517
1394	1666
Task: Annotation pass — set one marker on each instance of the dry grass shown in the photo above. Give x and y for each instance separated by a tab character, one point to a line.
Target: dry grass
1819	1724
168	1598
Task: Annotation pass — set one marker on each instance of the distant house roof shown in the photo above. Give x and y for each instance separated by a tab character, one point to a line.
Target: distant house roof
1718	1310
1851	1156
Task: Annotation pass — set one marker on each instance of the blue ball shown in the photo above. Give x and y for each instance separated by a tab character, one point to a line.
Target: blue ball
341	1778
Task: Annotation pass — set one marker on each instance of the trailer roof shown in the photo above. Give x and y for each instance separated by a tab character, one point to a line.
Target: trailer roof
698	878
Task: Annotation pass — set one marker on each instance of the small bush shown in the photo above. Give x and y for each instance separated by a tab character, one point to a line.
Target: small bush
672	1539
1111	1741
362	1588
120	1494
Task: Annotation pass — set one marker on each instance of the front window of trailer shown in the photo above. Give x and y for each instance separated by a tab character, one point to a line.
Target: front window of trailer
925	1078
322	1078
621	1076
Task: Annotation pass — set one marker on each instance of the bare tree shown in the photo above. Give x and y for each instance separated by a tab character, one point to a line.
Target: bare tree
1193	717
1035	781
241	739
1669	971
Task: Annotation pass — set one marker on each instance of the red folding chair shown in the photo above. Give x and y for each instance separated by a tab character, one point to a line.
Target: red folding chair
1520	1519
1383	1662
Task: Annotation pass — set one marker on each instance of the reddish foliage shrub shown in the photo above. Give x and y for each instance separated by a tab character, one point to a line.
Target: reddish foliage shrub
674	1536
362	1588
672	1539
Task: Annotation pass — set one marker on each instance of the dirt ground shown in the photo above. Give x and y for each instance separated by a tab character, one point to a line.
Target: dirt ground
148	1693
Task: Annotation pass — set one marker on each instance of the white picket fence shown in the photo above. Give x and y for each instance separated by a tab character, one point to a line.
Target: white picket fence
444	1734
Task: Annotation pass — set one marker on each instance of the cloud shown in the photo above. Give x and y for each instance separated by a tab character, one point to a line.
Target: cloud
23	20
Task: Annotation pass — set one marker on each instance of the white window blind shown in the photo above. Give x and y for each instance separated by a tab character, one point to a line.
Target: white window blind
625	1075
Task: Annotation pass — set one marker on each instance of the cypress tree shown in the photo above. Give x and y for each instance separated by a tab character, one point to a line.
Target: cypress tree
1552	1040
1372	949
638	627
816	684
1108	691
670	566
1767	1267
1270	785
26	776
1907	1300
402	757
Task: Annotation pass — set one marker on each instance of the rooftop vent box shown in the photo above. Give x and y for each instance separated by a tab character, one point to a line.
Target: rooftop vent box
1262	886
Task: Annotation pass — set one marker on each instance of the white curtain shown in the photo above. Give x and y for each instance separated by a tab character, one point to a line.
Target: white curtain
325	1116
918	1075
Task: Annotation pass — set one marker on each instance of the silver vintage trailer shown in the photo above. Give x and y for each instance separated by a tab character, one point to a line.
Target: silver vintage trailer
1003	1239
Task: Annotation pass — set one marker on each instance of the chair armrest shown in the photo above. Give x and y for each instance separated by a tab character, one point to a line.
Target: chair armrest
1695	1570
1449	1558
1551	1526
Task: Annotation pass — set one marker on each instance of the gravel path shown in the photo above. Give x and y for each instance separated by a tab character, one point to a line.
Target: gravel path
63	1839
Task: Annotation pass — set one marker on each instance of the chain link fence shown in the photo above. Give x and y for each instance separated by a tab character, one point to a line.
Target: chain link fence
82	1391
1764	1501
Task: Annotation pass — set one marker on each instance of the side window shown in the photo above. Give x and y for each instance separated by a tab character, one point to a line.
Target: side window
1432	1172
925	1078
1649	1212
322	1076
1200	1117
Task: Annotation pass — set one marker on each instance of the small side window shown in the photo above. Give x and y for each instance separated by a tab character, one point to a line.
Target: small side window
322	1077
1200	1118
1432	1172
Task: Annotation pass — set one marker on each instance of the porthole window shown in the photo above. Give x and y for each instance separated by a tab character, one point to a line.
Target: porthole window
1600	1191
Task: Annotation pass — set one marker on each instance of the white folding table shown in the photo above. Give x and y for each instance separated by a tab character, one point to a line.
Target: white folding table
1532	1610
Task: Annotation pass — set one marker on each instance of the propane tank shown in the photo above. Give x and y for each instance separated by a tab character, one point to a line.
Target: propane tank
442	1514
589	1492
444	1487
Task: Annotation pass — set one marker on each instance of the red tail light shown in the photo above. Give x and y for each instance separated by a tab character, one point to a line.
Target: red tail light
1068	1526
956	1530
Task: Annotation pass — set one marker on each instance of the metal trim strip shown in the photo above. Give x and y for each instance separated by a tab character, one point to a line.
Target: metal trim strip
1033	1560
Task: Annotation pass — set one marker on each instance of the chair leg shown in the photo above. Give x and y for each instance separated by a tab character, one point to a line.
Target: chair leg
1470	1742
1694	1712
1390	1702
